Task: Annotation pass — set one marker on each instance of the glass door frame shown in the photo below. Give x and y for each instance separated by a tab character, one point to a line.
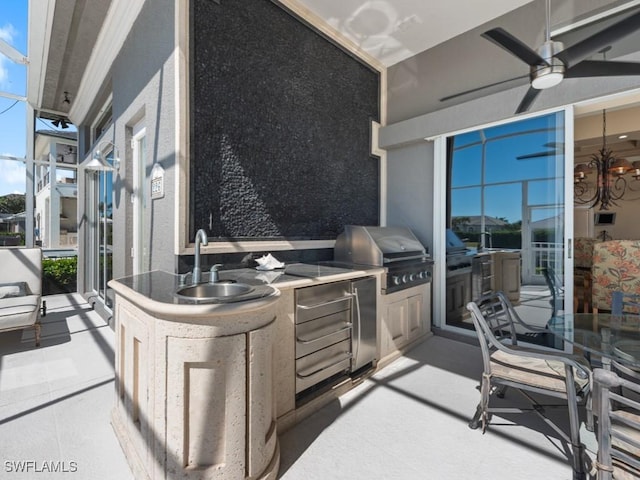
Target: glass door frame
440	196
100	189
139	152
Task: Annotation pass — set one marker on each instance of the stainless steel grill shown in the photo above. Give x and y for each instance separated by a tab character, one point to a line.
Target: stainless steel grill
459	256
394	248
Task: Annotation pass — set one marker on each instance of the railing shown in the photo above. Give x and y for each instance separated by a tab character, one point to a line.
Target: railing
547	254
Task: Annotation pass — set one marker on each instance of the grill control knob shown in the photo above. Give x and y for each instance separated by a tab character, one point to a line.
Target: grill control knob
421	275
412	277
405	278
396	280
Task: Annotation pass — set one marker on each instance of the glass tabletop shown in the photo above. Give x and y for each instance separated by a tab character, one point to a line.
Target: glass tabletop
602	334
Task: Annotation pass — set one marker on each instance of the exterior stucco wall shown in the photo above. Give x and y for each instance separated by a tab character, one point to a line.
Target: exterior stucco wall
411	207
141	82
143	91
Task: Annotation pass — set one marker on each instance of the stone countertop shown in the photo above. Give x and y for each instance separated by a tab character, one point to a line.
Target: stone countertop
296	275
155	291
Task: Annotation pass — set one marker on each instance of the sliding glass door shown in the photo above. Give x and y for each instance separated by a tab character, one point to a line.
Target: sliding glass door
100	250
507	218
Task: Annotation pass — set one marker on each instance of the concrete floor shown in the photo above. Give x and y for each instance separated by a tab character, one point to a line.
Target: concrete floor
55	400
409	421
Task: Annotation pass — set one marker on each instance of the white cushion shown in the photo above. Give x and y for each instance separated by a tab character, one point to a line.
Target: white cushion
15	289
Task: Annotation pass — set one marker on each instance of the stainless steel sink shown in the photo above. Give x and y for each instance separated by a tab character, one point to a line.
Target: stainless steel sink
212	291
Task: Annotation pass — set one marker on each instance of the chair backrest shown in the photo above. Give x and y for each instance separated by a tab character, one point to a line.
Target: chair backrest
618	425
623	302
556	288
22	265
494	320
616	267
553	281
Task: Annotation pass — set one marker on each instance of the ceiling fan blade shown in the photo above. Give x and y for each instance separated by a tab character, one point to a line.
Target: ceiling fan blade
529	156
602	68
477	89
528	99
515	47
576	53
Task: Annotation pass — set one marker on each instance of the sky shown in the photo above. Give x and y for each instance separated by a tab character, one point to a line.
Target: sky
13	79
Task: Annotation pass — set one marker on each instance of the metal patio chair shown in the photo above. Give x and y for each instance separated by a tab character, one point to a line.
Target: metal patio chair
556	289
508	364
618	424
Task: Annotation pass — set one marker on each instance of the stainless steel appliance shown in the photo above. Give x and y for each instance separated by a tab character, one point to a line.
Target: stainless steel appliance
395	248
458	277
335	331
481	276
364	334
458	255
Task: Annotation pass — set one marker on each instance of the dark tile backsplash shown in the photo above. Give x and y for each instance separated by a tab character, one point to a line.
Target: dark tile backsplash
231	261
280	127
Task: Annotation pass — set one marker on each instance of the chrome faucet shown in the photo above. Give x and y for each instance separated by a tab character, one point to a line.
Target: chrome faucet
214	275
201	237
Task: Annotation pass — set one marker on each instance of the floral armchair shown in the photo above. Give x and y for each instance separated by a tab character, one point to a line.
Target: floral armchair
616	267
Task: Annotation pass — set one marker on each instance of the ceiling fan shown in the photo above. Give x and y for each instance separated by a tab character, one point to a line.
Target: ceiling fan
552	63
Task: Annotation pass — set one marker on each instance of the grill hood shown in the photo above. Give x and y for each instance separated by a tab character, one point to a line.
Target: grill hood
377	245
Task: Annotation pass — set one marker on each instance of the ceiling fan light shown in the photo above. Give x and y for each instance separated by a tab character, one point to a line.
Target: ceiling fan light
547	80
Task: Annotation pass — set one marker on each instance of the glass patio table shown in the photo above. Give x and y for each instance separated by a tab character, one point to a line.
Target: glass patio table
600	335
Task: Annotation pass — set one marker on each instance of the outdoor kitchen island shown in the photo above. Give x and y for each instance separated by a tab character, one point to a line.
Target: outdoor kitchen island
203	389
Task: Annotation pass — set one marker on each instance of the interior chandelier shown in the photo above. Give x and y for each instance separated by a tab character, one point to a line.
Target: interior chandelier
610	182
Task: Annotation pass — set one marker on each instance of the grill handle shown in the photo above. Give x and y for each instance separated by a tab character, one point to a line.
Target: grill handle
402	259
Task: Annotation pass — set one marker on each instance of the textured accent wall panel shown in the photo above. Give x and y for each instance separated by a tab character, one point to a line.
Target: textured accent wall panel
280	125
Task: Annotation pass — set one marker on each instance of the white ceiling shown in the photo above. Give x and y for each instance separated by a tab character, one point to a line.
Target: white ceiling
393	30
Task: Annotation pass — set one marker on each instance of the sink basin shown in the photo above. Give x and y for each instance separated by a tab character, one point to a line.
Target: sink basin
212	291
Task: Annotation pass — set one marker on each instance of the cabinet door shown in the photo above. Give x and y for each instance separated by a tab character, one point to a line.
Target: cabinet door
397	324
458	295
415	318
511	277
507	274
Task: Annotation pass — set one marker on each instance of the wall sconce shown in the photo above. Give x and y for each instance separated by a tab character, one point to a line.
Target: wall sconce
99	161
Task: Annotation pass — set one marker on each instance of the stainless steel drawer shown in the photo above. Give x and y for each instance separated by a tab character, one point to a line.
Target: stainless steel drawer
322	300
322	364
322	332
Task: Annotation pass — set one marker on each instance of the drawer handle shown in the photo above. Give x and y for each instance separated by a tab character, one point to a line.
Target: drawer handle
302	340
318	370
337	300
